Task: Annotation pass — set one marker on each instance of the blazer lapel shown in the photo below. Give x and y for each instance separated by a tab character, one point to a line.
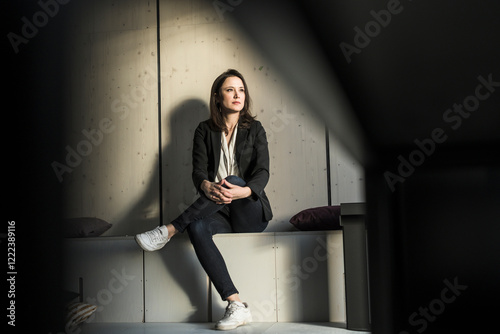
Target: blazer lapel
241	139
215	137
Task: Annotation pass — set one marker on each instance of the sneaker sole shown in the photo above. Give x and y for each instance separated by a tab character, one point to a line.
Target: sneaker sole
228	328
231	327
144	247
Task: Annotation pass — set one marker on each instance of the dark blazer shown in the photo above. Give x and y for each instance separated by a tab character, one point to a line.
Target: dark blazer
252	156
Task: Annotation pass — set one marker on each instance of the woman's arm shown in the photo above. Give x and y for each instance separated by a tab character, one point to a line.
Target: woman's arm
259	175
200	156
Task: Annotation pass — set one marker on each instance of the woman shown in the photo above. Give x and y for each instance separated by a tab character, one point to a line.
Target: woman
230	171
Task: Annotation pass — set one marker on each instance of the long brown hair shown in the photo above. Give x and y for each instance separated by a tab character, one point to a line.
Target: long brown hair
216	120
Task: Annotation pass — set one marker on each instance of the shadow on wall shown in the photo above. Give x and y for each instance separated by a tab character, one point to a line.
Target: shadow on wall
178	189
178	193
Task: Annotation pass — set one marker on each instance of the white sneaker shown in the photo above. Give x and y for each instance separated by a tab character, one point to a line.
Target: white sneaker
237	314
154	239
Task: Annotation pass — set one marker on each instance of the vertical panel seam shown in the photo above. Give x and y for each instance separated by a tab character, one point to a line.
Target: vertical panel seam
143	286
158	69
328	171
276	275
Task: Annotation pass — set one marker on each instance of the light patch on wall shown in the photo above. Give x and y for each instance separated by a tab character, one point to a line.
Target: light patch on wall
113	81
113	78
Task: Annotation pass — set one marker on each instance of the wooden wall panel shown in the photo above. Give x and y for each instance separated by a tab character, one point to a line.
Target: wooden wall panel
286	276
112	116
302	284
251	261
347	175
112	274
336	277
176	286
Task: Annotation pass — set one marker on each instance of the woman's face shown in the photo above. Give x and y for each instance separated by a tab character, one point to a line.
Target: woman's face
233	95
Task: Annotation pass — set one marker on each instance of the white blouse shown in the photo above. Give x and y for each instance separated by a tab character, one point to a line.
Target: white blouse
227	163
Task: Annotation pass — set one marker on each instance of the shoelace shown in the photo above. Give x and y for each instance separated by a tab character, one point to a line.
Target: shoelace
155	235
230	309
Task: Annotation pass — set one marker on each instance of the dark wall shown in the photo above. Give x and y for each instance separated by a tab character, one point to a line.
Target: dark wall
33	96
423	81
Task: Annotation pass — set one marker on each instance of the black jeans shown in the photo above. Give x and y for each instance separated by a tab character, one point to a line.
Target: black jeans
204	218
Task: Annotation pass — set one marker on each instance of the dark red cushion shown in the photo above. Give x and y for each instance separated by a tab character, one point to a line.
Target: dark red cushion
318	219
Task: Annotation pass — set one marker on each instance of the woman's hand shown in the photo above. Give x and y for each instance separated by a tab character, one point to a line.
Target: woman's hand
213	191
224	192
232	191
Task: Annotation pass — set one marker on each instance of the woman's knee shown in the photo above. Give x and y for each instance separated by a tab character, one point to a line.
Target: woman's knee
236	180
